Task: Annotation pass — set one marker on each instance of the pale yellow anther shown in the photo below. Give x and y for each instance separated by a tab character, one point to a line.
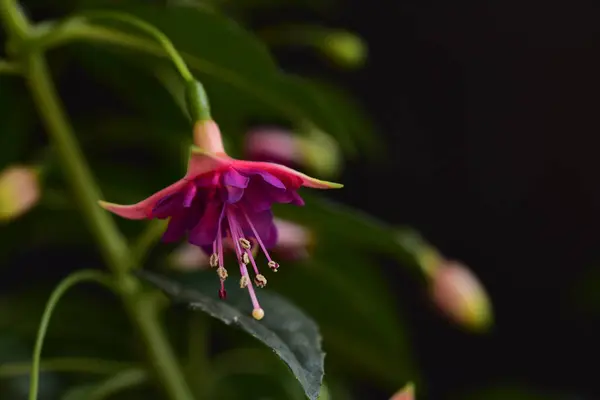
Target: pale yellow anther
245	258
245	243
273	265
258	313
260	281
222	272
244	281
214	260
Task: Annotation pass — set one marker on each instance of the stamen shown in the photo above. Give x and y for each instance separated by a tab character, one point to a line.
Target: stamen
222	292
245	258
214	259
273	265
260	243
245	243
258	314
222	272
260	281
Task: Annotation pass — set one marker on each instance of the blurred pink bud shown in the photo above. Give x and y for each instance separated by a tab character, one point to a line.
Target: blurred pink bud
293	242
406	393
188	257
19	191
273	145
314	150
459	294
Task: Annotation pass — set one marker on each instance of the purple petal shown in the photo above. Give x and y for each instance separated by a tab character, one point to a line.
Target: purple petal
190	193
235	179
267	177
168	206
232	194
205	231
264	226
176	228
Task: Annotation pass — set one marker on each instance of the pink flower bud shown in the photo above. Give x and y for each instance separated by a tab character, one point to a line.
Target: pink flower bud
459	294
314	150
273	145
188	257
406	393
19	191
293	242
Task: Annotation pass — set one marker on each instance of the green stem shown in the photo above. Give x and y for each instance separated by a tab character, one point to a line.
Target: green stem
195	94
67	364
151	30
116	253
114	249
64	285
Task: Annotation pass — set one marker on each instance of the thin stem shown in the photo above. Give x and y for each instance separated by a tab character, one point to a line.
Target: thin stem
59	291
15	22
67	364
196	97
111	241
151	30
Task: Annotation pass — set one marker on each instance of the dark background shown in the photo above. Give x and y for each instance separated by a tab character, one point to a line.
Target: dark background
489	113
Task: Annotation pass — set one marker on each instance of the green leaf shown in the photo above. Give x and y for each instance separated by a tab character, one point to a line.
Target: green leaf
292	335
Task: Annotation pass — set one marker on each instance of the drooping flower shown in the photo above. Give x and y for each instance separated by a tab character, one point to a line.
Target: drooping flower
222	198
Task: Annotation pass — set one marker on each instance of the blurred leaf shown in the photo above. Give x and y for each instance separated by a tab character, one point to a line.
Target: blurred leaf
352	289
238	72
285	329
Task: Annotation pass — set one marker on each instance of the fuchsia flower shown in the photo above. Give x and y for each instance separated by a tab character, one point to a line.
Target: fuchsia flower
222	198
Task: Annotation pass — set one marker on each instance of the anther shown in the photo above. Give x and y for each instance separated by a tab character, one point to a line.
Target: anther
260	281
245	243
214	260
222	272
244	281
245	258
258	313
273	265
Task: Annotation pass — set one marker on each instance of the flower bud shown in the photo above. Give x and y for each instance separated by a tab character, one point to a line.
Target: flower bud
406	393
188	257
344	48
19	191
293	241
315	150
459	294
